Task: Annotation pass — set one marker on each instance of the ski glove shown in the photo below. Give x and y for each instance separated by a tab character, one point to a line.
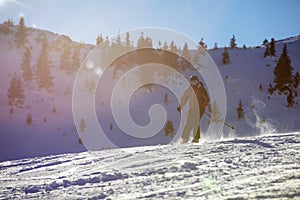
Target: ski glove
179	108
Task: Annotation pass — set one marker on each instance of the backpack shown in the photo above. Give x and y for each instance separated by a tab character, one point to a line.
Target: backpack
203	97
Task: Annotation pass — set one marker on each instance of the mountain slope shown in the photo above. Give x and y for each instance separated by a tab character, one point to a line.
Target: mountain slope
57	134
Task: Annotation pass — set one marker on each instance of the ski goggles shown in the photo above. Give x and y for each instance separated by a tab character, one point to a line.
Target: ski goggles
193	81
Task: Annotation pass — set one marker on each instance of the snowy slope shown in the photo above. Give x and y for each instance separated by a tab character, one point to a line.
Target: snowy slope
58	134
262	167
247	70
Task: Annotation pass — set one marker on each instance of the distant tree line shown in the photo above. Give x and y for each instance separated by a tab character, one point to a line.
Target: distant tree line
285	82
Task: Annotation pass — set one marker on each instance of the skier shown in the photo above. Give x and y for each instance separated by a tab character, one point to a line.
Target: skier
199	100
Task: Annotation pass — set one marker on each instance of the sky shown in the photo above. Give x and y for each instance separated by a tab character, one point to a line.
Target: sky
251	21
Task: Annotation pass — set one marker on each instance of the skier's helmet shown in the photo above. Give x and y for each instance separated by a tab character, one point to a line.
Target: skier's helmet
194	78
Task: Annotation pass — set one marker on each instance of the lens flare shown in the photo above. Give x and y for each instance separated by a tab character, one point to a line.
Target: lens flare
118	71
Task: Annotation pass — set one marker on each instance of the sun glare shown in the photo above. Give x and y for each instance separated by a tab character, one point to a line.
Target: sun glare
2	2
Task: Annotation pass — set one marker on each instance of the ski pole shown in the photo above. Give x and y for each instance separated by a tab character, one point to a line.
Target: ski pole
230	126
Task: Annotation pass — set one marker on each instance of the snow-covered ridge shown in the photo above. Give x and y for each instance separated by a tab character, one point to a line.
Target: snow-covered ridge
290	39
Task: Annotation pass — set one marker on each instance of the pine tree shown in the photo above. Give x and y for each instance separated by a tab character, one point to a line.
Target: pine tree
65	63
6	29
265	42
173	47
82	125
116	46
15	92
165	46
267	51
271	89
296	80
127	41
244	46
196	58
272	49
200	52
148	42
9	22
79	141
29	119
20	92
240	111
166	99
75	59
202	44
260	87
159	44
283	71
99	39
215	46
21	33
43	69
185	52
119	41
25	66
233	42
215	113
183	61
68	91
11	93
106	42
141	41
284	80
45	119
226	79
169	129
54	109
225	57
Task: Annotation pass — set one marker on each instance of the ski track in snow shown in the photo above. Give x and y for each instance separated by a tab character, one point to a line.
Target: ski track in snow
247	168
